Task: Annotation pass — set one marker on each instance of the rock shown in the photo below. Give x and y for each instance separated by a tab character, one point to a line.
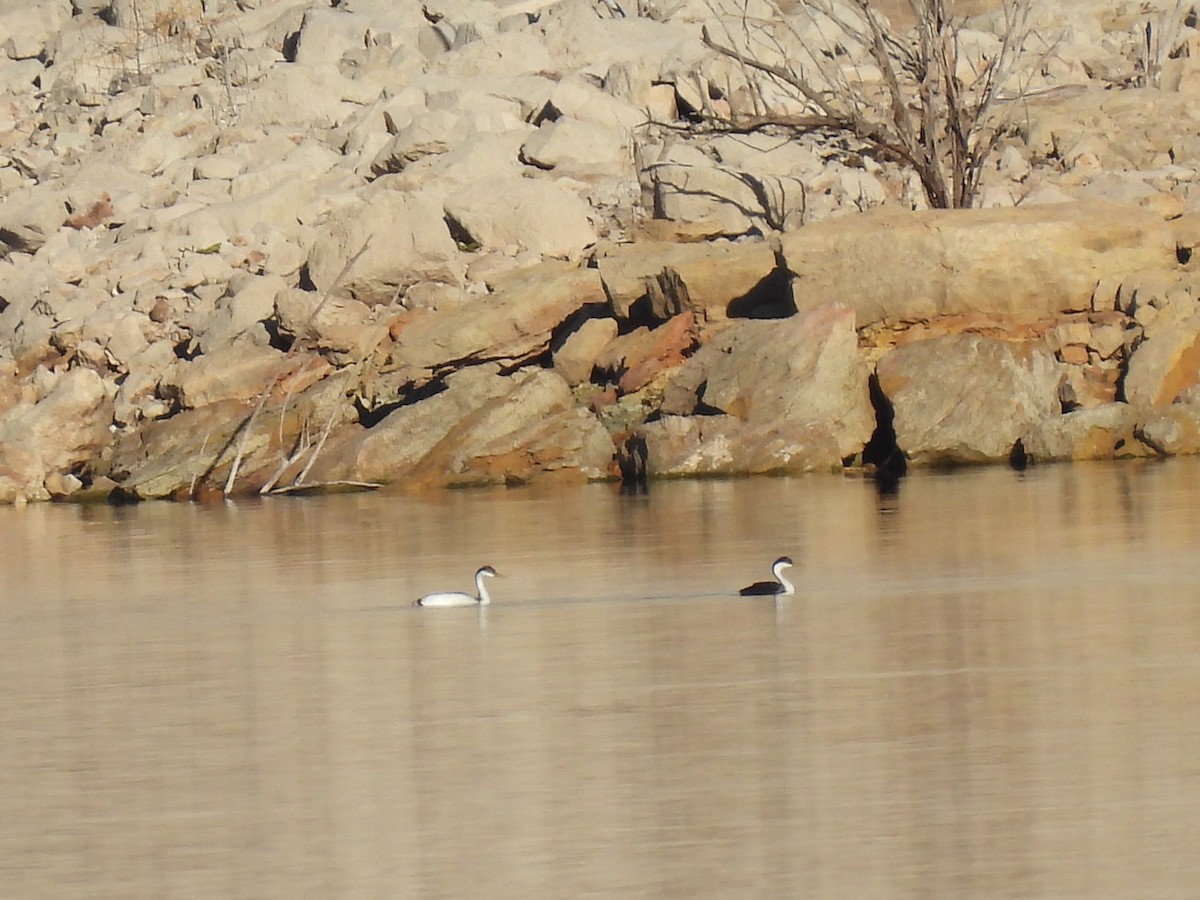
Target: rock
576	98
1167	362
518	214
1098	432
314	96
719	280
406	242
965	398
25	31
1173	431
724	445
636	359
248	302
793	392
174	456
393	448
28	217
343	329
429	133
512	325
885	264
532	429
239	371
326	35
577	148
64	430
706	194
575	354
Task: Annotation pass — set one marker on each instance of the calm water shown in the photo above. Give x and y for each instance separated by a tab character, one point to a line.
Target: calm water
988	686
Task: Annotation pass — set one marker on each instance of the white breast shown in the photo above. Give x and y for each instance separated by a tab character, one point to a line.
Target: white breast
448	598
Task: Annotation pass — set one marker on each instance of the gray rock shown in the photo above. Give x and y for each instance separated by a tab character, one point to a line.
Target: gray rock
30	216
965	398
545	217
408	243
1098	432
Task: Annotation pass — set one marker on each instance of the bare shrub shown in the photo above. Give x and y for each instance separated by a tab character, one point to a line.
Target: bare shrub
927	98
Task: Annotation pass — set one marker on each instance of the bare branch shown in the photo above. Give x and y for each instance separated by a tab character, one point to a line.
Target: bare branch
921	113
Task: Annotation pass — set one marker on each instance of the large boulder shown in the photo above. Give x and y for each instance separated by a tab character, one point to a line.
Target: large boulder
482	428
1098	432
717	280
1024	263
65	429
534	429
405	239
1166	363
793	395
965	398
512	325
523	214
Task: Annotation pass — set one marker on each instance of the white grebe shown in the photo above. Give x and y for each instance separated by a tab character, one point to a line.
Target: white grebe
459	598
779	586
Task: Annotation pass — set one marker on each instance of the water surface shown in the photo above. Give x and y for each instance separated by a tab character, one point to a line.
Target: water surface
987	686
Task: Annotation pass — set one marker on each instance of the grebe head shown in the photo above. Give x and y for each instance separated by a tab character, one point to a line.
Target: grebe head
784	562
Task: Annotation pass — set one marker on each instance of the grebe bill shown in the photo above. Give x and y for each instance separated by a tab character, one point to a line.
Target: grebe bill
777	587
460	598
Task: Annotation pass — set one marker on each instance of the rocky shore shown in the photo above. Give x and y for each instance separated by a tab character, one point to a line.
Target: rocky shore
258	245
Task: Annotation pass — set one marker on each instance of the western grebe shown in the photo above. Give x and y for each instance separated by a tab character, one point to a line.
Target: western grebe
459	598
779	586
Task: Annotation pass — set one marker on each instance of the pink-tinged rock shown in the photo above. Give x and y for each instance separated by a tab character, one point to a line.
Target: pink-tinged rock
636	359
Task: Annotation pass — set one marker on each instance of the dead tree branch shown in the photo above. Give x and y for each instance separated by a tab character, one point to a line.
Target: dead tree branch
927	106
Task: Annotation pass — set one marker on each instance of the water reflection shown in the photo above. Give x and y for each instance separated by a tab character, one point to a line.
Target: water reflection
984	687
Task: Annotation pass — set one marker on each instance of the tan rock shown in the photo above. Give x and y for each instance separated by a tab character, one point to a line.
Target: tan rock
719	279
1173	431
1095	433
1167	362
512	325
575	357
532	429
965	398
1023	263
65	429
